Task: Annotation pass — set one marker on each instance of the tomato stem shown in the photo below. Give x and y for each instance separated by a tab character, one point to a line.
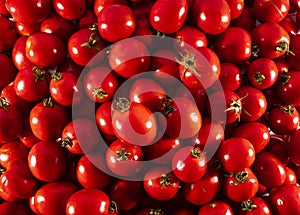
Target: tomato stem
290	109
167	108
259	77
196	152
4	103
157	211
122	104
92	42
2	170
123	155
48	102
99	93
240	177
66	142
283	46
188	63
56	76
39	74
113	207
165	180
248	206
284	78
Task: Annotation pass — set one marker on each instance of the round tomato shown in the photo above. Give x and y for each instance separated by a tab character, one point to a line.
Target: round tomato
216	208
19	54
230	76
12	151
66	9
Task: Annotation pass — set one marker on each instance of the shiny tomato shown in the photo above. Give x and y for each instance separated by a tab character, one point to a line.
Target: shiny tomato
246	20
236	8
66	9
8	34
230	76
19	53
216	208
15	208
12	151
100	4
278	147
104	118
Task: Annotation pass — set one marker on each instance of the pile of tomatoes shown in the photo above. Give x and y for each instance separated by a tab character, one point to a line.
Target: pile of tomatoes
144	107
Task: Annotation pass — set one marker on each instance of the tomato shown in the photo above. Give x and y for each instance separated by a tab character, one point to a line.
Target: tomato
240	186
160	183
121	188
124	159
8	34
91	176
66	9
144	28
70	66
204	190
254	103
236	8
58	26
269	170
133	122
246	20
147	92
52	53
178	125
88	19
291	177
27	28
286	88
129	57
293	148
168	17
15	208
262	73
284	119
211	16
74	138
3	9
11	123
17	181
286	199
19	53
52	198
12	151
26	136
116	22
271	11
255	132
104	118
199	69
271	40
216	208
84	44
90	201
47	120
234	45
8	72
278	147
230	76
100	4
22	11
255	206
293	57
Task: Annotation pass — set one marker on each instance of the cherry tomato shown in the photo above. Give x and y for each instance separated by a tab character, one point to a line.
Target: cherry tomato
230	76
289	25
291	177
52	53
52	198
161	184
236	8
213	17
8	72
87	20
19	53
254	206
27	137
269	170
8	34
12	151
278	147
104	118
100	4
216	208
168	17
66	9
246	20
293	148
70	66
116	22
27	28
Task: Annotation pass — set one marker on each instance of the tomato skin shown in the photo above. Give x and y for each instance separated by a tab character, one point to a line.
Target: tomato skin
246	20
232	48
241	191
100	4
293	59
291	177
177	12
15	208
204	190
66	9
272	12
104	118
278	147
8	72
286	199
98	202
19	53
51	54
236	8
12	151
8	34
27	137
52	198
230	76
47	155
217	14
216	208
26	29
269	170
116	18
293	147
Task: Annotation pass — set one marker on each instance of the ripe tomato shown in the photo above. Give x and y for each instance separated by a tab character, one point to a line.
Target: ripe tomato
19	53
116	22
47	155
291	177
66	9
11	123
27	137
129	57
236	8
47	120
246	20
161	184
88	19
235	154
27	28
234	45
255	206
269	170
100	84
240	186
278	147
91	176
204	190
211	16
52	198
168	17
12	151
15	208
293	148
286	199
293	57
100	4
124	159
104	118
271	40
230	76
8	34
88	201
8	72
262	73
216	208
271	11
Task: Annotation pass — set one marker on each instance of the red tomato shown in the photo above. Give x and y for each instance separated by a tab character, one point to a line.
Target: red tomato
104	118
66	9
234	45
278	147
168	17
28	28
8	71
204	190
216	208
240	186
230	76
8	34
116	22
289	25
286	200
100	4
52	53
291	177
12	151
88	201
161	184
27	137
19	53
293	148
255	206
246	20
236	8
52	198
88	19
293	57
47	155
211	16
15	208
269	170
